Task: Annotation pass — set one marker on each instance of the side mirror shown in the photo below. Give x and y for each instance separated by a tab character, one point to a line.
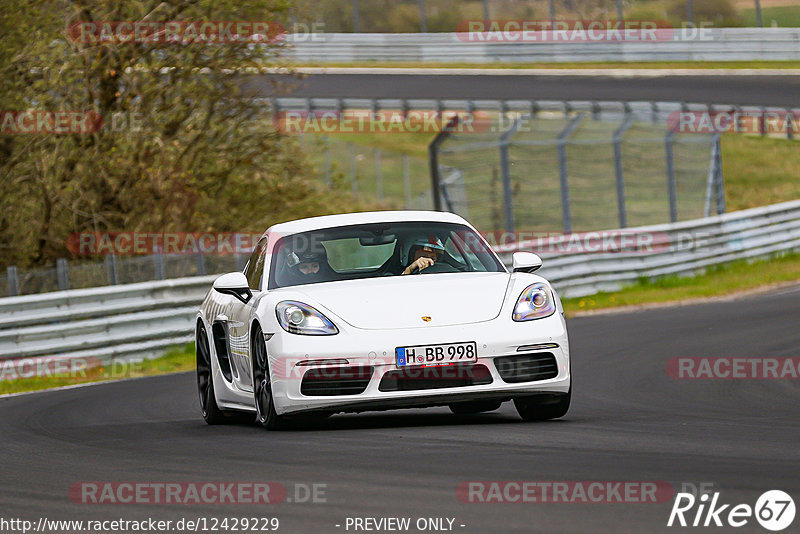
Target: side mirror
234	284
525	262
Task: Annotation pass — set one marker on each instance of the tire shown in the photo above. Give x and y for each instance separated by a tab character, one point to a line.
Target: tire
543	407
262	387
205	379
473	407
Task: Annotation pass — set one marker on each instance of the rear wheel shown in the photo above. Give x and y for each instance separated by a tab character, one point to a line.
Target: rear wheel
543	407
473	407
205	379
262	386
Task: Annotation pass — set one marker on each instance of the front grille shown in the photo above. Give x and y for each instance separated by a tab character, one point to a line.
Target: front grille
527	367
448	376
331	381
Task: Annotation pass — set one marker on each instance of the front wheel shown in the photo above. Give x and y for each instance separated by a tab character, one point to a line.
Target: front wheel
543	407
262	387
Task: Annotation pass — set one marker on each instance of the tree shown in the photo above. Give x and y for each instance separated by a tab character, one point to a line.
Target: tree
182	146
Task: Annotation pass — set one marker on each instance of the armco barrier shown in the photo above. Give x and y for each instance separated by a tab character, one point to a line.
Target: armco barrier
715	44
141	320
678	248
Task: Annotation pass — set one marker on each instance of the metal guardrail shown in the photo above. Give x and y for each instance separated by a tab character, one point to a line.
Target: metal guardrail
105	323
680	248
141	320
717	44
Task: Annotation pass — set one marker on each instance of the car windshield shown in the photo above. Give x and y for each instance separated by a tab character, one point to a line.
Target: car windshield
377	250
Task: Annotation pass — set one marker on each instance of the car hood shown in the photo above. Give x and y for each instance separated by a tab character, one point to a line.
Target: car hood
403	301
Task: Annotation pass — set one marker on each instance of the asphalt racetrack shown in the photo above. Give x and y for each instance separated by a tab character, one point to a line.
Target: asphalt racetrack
736	90
629	422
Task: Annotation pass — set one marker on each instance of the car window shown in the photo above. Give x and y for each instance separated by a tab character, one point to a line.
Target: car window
349	255
377	250
255	266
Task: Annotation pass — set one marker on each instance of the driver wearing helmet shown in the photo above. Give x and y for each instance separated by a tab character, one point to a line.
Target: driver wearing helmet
309	266
423	253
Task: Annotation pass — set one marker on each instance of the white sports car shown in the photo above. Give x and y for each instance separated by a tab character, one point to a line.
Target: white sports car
382	310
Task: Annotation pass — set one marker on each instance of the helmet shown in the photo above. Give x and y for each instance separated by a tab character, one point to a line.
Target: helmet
430	241
295	259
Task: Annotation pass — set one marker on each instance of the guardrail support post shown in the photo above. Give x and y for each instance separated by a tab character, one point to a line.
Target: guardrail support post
13	281
62	274
673	203
111	267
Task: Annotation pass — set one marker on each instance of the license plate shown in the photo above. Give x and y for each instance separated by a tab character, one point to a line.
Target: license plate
436	355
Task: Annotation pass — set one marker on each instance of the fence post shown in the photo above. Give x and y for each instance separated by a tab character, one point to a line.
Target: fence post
505	172
433	162
423	19
759	21
201	264
356	18
563	174
620	178
406	179
673	202
378	174
719	181
62	274
353	173
789	124
13	281
158	266
486	10
111	268
328	166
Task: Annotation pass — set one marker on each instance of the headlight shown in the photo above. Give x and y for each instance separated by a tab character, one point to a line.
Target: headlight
534	303
298	318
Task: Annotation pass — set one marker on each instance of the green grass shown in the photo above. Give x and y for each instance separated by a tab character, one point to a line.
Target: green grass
175	360
759	170
789	64
717	281
784	16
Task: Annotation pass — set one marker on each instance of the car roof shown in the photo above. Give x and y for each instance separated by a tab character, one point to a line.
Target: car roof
367	217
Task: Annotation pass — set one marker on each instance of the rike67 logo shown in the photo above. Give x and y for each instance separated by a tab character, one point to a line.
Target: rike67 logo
774	510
